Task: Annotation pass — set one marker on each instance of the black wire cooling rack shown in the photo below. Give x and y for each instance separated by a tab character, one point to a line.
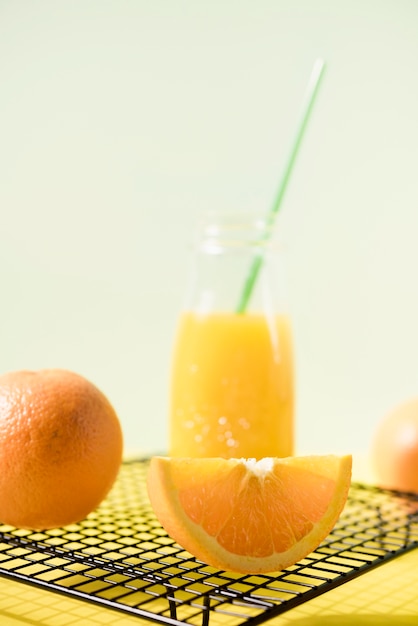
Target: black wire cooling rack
120	557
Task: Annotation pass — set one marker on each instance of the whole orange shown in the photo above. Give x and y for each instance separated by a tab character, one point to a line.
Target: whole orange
60	448
394	449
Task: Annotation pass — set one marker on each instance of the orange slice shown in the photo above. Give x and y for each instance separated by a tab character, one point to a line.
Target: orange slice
245	515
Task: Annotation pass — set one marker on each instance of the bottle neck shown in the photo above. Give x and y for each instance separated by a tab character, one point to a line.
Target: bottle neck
227	249
229	233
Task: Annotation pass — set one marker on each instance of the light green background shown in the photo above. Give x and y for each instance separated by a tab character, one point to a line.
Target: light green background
122	119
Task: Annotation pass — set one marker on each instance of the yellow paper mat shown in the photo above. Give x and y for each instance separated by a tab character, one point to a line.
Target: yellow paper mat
385	596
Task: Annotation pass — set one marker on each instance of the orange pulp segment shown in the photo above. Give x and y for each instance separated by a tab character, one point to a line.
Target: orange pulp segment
245	515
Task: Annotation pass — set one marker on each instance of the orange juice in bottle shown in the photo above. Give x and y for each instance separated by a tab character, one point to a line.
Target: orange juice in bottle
232	369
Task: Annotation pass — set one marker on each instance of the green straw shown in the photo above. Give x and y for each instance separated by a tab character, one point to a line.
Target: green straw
311	92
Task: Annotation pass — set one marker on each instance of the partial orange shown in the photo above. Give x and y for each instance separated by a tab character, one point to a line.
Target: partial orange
245	515
60	448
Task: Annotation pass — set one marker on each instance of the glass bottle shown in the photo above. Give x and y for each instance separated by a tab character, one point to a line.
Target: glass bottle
232	368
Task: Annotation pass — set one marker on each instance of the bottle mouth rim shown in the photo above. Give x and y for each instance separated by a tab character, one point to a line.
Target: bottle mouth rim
218	231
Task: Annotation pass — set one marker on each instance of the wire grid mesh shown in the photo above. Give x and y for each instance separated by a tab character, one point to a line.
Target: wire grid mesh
120	557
